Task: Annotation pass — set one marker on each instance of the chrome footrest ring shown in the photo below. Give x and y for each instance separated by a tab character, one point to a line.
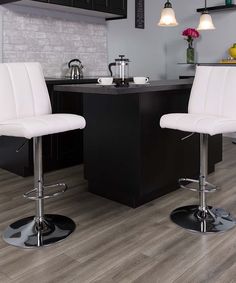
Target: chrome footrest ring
32	194
210	188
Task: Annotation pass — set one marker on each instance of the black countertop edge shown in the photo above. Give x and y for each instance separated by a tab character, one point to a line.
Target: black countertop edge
162	85
56	81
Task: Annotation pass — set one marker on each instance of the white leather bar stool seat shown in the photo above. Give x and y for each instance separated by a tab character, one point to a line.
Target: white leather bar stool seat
30	127
198	123
25	111
211	111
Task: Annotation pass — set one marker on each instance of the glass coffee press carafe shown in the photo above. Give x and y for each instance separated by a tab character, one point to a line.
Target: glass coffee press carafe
121	75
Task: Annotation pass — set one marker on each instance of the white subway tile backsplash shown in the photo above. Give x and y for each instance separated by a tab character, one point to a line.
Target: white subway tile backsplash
54	42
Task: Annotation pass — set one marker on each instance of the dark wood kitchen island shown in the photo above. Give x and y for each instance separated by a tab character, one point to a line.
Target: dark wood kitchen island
127	156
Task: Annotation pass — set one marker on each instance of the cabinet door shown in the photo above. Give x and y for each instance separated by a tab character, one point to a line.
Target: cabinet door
44	1
86	4
8	1
62	2
63	149
101	5
118	6
69	144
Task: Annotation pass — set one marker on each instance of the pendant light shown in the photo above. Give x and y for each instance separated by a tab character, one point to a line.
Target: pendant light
167	16
205	20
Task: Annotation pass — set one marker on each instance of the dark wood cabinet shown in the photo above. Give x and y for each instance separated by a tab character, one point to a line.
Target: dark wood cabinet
101	5
64	149
62	2
86	4
127	156
118	7
8	1
113	7
68	146
44	1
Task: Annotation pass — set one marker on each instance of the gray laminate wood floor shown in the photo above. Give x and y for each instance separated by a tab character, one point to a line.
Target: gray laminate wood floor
114	243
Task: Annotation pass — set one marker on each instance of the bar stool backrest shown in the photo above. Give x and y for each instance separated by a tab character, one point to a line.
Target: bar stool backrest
214	91
23	91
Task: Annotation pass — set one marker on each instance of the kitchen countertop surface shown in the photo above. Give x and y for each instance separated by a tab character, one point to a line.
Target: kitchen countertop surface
162	85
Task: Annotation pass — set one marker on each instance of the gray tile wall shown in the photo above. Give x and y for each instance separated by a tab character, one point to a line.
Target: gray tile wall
53	42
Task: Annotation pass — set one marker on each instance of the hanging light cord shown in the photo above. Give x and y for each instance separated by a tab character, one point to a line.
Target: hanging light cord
205	8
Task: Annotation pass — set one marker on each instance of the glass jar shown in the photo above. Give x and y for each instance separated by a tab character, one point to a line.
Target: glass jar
190	55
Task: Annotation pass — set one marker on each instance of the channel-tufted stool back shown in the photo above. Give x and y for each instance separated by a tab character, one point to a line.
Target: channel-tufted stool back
23	91
214	91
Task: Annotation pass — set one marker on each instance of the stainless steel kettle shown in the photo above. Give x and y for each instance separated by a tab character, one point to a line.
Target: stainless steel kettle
75	69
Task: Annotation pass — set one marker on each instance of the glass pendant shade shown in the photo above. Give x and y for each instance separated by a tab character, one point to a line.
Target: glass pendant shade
205	22
168	16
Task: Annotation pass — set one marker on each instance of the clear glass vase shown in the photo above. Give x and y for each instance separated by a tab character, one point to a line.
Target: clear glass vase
190	54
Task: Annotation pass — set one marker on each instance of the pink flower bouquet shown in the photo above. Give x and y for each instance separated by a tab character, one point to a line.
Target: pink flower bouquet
190	34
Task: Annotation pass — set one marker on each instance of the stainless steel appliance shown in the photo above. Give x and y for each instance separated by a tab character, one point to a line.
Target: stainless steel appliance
75	69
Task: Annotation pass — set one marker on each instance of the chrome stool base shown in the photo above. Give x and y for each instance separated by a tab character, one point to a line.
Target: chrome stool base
29	233
42	229
191	218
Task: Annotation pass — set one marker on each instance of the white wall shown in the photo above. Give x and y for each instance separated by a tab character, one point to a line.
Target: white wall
146	48
156	51
212	45
53	38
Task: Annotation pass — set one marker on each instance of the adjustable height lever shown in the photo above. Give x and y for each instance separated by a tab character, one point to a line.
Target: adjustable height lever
20	148
188	136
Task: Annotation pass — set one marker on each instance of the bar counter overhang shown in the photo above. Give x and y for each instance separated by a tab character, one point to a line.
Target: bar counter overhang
127	156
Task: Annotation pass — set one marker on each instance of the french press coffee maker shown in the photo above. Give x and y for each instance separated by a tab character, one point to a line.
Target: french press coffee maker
121	74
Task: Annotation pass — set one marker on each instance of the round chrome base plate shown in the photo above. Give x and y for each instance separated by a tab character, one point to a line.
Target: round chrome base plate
25	233
189	217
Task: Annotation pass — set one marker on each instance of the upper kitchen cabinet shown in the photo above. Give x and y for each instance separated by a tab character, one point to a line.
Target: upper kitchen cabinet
62	2
7	1
118	7
101	5
44	1
108	9
86	4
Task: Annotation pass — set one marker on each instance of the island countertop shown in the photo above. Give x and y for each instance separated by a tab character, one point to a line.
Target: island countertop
153	86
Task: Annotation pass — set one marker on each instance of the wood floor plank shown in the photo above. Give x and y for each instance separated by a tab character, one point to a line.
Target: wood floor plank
4	278
184	253
215	264
116	244
57	270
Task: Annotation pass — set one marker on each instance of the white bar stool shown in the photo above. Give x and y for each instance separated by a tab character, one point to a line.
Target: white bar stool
25	111
211	111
